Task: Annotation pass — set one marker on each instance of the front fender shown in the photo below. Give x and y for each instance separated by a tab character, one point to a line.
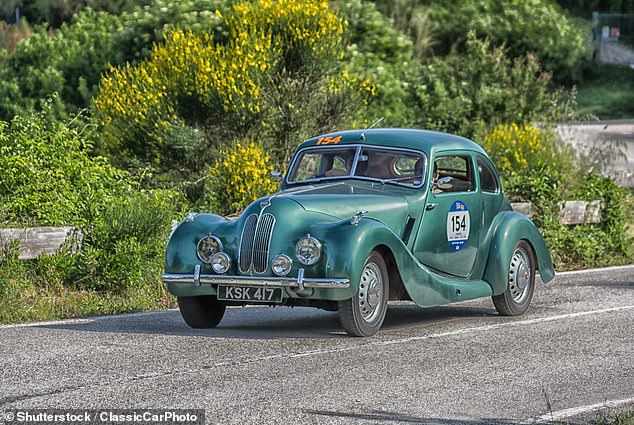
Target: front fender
347	247
180	256
511	227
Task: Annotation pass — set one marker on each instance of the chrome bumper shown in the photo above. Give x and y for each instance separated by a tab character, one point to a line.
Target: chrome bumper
299	282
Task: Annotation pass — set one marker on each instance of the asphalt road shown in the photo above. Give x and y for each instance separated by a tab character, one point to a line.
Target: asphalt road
571	354
608	144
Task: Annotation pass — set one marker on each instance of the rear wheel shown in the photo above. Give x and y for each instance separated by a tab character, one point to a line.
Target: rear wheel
364	313
201	312
520	282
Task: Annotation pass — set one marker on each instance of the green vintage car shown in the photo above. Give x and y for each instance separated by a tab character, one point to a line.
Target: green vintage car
364	217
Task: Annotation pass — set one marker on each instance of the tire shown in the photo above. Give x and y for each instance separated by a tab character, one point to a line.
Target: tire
521	282
364	313
201	312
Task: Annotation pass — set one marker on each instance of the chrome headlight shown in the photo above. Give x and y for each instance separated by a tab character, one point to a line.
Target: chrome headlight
220	262
207	247
308	250
281	265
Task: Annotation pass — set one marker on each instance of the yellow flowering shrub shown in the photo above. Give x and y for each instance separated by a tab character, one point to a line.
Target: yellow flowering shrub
241	175
188	71
517	149
193	78
300	28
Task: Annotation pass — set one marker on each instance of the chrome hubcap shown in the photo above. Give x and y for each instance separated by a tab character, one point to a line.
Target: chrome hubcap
370	292
519	278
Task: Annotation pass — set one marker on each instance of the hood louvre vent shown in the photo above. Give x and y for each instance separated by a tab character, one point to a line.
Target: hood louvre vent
255	243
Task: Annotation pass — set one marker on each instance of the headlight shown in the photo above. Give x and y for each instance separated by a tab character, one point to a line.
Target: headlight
308	250
207	247
282	265
220	262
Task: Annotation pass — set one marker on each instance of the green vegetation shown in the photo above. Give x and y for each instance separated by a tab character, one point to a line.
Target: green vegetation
50	179
607	92
469	93
537	26
118	117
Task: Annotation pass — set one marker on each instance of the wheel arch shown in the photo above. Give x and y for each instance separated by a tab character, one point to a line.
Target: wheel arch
397	288
512	228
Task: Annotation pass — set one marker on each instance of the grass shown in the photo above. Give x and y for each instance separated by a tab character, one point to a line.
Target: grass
607	91
51	302
36	290
618	419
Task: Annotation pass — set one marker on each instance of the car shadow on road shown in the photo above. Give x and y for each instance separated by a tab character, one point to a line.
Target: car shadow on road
267	322
382	417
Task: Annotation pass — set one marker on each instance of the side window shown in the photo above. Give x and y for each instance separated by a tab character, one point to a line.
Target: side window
453	173
488	182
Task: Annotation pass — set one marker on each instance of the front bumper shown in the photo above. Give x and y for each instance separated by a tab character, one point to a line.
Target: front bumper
300	282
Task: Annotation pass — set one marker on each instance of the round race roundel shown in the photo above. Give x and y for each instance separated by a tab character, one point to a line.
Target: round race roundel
458	225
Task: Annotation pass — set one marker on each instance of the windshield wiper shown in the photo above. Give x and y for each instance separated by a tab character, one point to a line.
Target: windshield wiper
400	179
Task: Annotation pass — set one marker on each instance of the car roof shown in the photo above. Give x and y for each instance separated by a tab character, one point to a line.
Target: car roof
424	140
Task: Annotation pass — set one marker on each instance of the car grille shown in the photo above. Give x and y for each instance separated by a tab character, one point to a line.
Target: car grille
255	243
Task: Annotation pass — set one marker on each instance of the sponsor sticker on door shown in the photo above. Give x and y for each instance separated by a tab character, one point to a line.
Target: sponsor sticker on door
458	225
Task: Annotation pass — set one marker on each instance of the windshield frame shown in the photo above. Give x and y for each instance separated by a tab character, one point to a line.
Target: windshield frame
357	148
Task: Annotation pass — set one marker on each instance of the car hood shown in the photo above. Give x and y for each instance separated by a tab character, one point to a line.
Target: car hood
344	199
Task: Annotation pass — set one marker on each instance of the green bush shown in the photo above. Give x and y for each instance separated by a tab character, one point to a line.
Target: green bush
469	93
581	245
48	176
538	27
124	248
71	60
385	56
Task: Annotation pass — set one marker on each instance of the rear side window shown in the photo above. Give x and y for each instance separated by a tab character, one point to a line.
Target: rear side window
488	182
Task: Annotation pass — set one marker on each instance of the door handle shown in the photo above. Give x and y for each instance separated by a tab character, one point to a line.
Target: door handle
431	206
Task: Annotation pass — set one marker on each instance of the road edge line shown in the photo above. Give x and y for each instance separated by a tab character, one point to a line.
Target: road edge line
574	411
598	270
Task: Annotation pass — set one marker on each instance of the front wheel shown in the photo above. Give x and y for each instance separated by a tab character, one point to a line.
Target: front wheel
520	282
363	314
201	312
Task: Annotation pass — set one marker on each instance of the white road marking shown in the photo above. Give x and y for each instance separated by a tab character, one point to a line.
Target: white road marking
375	343
605	269
574	411
86	319
309	353
508	324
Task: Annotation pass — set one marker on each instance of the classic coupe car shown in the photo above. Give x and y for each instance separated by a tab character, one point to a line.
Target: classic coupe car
362	218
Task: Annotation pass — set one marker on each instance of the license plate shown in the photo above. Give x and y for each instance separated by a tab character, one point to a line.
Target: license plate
249	294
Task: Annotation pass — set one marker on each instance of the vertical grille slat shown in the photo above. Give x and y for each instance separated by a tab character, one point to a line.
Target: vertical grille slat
246	243
262	242
255	243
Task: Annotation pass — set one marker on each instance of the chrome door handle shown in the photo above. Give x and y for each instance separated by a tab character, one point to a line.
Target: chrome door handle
431	206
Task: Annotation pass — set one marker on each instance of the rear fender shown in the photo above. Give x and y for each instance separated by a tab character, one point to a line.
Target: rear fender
510	229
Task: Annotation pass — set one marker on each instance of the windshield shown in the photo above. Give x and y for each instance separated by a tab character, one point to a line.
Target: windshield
371	163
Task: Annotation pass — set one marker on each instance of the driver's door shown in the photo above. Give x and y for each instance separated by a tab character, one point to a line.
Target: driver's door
448	237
